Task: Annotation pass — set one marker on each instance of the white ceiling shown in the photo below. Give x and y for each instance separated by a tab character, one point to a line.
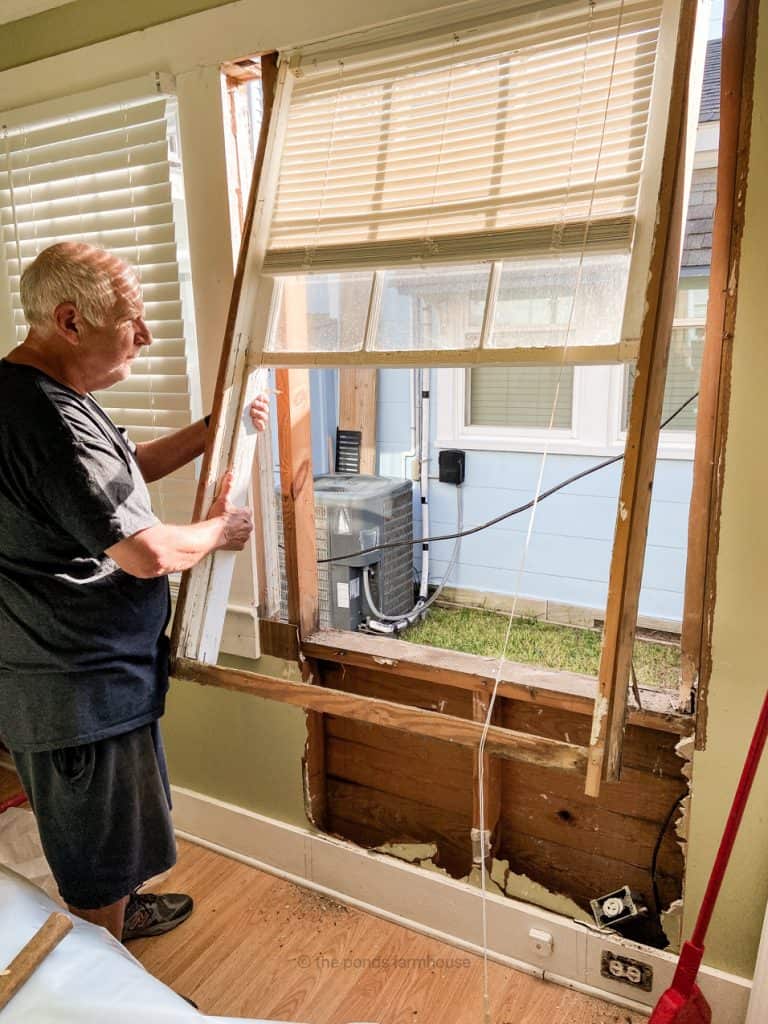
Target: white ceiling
12	10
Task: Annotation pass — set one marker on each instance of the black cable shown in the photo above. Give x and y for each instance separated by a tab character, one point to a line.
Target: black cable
504	515
657	848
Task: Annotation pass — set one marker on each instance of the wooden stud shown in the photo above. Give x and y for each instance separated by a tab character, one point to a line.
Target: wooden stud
485	832
297	497
294	427
736	93
643	435
506	743
357	410
279	639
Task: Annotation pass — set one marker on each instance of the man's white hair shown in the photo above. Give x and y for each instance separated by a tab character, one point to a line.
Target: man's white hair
69	272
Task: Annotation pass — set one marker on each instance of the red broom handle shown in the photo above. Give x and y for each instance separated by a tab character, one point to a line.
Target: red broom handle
731	827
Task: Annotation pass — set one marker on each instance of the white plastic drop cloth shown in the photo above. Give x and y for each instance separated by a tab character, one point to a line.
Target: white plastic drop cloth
89	978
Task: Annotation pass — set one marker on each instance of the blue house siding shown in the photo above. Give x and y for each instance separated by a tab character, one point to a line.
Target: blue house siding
568	560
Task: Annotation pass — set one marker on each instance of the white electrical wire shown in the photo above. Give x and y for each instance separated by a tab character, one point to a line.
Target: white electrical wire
529	532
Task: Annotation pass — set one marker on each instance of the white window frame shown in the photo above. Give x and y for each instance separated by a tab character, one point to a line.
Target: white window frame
596	429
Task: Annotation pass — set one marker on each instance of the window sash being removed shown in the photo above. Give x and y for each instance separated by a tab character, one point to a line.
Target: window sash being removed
506	150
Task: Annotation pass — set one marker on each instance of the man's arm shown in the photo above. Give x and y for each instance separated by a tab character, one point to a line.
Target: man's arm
165	548
166	454
170	452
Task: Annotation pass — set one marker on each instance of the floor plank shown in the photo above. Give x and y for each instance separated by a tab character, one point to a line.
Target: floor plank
9	783
258	946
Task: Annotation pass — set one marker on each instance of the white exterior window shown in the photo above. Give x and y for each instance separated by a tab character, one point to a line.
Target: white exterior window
573	410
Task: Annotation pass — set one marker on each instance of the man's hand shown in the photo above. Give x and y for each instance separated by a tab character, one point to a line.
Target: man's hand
237	522
259	412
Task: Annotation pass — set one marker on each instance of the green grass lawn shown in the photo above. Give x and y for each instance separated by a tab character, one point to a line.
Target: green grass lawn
540	643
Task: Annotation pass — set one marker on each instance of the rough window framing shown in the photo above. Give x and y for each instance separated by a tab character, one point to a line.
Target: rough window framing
195	626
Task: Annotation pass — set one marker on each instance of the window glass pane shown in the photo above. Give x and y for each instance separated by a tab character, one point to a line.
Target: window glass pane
567	301
692	299
429	309
520	396
682	378
321	312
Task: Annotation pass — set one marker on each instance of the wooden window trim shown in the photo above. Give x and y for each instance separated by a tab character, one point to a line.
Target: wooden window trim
629	541
736	100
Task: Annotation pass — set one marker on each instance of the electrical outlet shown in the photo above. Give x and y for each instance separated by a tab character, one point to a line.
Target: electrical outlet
623	968
616	906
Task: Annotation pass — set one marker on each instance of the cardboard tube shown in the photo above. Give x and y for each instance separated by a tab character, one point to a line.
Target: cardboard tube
32	955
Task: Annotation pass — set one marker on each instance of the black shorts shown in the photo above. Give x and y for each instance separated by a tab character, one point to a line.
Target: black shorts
103	810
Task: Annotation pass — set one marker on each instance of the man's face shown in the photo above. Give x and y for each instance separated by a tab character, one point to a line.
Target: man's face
108	351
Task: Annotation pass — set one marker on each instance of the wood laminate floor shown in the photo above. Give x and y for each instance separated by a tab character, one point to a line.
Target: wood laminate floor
258	946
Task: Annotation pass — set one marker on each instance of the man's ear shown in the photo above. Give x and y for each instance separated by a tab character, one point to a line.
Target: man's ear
67	321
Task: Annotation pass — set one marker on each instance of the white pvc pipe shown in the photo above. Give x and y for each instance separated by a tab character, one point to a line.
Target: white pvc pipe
412	451
424	480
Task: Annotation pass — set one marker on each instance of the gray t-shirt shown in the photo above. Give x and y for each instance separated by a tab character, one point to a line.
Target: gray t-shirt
83	653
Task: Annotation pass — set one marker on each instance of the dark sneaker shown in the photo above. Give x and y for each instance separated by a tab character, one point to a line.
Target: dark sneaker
150	913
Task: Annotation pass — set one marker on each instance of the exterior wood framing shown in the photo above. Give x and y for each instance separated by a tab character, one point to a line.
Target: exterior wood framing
550	688
736	88
299	543
505	743
297	498
643	435
357	410
485	826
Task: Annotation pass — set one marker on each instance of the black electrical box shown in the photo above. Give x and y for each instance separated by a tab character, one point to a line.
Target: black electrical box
451	466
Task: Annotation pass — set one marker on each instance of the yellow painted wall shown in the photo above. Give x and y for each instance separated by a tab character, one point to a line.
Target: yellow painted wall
237	748
740	672
84	22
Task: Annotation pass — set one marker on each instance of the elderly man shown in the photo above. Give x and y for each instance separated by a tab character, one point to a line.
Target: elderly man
84	598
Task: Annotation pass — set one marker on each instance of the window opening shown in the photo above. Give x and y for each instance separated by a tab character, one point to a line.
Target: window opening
263	306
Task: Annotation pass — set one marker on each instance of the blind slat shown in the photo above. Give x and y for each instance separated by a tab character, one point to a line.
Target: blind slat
539	119
146	197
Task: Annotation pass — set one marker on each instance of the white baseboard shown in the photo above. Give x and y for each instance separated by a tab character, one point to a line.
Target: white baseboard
441	907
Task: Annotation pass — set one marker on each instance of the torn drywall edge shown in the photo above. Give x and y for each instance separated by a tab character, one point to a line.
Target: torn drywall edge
501	880
520	887
672	923
672	916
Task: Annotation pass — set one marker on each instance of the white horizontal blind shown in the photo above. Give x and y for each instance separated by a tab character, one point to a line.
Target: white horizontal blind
510	139
520	397
103	176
